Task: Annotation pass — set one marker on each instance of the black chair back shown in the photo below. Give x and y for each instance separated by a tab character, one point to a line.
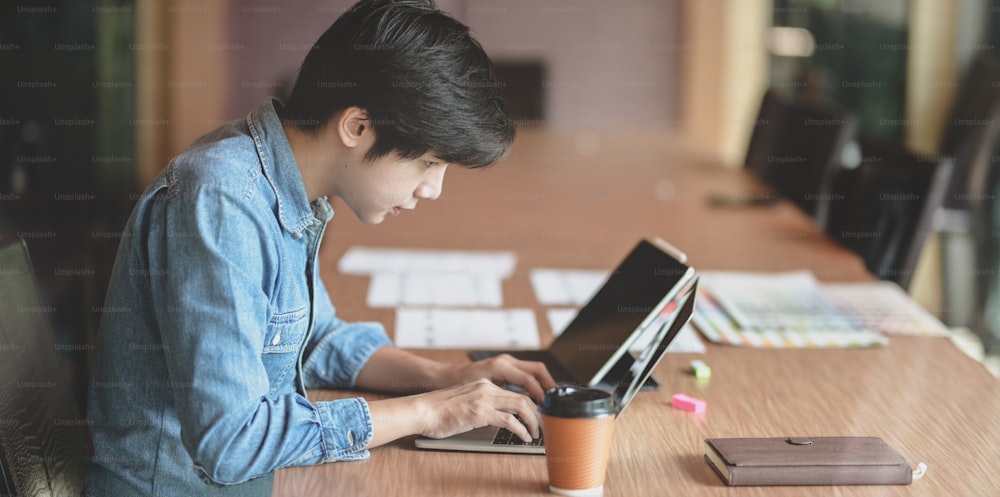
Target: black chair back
883	209
986	322
43	440
807	151
765	130
970	134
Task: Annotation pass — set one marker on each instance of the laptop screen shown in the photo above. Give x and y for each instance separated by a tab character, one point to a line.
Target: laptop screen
629	300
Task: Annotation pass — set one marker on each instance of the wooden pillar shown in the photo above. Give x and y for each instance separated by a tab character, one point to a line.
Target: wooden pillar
724	73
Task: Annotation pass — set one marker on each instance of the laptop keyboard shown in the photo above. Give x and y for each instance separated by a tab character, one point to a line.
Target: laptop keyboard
507	437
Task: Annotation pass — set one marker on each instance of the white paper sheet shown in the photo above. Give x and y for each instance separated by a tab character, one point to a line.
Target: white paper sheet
446	278
434	289
367	260
566	286
429	328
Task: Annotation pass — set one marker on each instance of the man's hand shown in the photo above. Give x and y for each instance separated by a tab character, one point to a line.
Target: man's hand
477	404
395	370
458	409
504	369
465	395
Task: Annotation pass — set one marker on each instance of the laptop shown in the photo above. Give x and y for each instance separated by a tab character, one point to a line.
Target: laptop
593	349
495	439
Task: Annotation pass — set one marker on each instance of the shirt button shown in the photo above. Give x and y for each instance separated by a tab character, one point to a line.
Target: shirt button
277	339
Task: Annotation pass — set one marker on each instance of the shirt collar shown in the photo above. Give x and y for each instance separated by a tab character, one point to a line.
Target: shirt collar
280	168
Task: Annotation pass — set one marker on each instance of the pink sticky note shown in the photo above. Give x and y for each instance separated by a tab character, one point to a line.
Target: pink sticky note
692	404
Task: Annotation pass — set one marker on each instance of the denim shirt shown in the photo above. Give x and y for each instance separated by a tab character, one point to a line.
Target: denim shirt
215	323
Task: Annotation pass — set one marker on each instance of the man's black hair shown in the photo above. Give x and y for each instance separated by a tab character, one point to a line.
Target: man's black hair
426	84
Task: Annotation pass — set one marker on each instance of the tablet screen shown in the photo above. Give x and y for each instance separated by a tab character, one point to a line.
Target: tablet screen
631	298
644	364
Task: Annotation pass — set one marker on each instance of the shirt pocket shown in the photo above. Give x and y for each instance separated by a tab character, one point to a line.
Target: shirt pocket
285	333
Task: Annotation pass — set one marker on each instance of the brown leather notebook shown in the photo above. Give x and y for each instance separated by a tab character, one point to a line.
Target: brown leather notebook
807	461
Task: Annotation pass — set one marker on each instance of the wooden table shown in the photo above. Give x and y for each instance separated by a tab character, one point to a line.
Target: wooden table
581	200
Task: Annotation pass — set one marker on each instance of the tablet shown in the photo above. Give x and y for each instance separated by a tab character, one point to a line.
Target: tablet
593	349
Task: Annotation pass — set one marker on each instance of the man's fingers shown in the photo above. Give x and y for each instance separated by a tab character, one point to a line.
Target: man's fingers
528	413
509	421
533	376
526	381
521	418
541	373
518	413
531	421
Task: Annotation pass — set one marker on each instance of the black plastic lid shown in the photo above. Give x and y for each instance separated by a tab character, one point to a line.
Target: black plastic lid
574	402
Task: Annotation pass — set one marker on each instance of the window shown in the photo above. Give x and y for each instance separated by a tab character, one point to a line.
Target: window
848	52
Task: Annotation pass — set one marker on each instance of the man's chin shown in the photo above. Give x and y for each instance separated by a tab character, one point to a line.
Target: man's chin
370	217
373	219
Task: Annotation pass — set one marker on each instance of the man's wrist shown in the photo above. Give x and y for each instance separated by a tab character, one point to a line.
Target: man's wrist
439	375
397	417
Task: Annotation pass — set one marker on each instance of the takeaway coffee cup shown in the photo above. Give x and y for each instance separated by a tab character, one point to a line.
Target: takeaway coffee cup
577	423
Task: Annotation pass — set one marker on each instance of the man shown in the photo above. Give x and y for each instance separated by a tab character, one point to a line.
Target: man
199	381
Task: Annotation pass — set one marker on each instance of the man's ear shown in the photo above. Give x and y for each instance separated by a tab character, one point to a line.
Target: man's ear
352	126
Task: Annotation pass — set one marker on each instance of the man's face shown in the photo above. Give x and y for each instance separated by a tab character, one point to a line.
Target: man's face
390	185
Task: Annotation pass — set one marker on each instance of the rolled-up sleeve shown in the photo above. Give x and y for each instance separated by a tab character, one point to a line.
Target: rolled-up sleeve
347	429
337	350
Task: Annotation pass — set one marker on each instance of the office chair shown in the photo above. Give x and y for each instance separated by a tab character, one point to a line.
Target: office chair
972	116
43	440
765	130
987	320
969	135
523	89
807	151
883	209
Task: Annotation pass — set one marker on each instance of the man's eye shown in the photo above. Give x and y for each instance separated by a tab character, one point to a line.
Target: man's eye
430	163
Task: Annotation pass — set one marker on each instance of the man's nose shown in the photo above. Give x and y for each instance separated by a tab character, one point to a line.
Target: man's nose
430	189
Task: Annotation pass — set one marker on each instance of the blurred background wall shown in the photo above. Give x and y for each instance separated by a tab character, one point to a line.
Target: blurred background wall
596	63
97	95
